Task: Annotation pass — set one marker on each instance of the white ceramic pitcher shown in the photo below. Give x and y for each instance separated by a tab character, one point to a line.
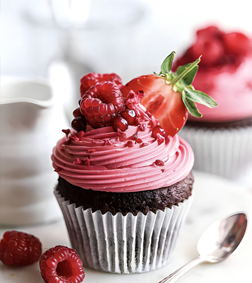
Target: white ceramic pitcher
31	119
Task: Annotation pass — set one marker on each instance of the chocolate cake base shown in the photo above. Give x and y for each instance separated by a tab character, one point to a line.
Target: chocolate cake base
135	202
230	124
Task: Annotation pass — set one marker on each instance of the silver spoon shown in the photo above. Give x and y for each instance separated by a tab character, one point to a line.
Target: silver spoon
216	243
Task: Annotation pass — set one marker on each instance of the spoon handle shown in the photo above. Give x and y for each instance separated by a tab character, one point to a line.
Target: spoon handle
182	270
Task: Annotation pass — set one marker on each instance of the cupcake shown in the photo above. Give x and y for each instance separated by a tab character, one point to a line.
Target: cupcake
222	139
125	182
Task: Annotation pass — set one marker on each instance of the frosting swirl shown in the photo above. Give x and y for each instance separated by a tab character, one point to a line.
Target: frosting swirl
104	160
231	88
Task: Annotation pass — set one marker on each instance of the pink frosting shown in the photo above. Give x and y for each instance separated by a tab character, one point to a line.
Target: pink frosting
232	90
104	160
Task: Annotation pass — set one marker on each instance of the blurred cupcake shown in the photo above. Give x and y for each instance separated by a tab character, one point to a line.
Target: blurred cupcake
125	183
222	138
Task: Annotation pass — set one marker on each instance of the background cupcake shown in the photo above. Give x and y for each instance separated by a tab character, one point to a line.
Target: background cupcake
125	183
222	138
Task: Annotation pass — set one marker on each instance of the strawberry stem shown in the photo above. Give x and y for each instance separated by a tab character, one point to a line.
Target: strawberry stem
186	70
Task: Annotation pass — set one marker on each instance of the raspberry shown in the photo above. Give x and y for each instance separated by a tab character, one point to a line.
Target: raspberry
237	43
61	264
210	31
93	78
101	103
19	248
211	50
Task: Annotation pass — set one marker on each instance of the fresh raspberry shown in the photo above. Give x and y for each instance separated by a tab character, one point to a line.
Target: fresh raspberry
61	265
209	32
18	248
93	78
211	49
101	103
237	43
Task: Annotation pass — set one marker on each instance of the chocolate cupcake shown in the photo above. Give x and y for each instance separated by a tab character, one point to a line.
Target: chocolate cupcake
222	138
123	220
125	182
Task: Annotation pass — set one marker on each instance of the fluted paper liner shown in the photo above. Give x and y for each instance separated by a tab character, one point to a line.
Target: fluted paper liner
123	244
226	152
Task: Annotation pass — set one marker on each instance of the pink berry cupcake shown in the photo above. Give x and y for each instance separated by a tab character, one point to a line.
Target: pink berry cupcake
125	182
222	139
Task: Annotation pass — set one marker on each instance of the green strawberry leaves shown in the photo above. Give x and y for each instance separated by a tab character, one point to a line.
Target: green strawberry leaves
189	77
182	80
167	63
190	106
199	97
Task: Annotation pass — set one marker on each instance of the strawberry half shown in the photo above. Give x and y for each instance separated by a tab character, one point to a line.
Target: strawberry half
169	96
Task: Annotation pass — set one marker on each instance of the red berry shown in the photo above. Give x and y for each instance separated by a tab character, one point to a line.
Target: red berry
93	78
158	130
161	101
129	115
210	31
79	123
237	43
76	112
61	264
120	123
165	97
211	50
19	248
101	103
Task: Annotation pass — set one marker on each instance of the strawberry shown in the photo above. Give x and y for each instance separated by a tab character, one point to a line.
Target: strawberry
169	96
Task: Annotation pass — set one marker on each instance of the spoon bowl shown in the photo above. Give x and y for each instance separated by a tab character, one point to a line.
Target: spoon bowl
222	237
217	242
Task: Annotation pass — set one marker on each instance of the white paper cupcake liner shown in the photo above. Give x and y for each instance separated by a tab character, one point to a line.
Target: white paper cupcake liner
224	152
123	244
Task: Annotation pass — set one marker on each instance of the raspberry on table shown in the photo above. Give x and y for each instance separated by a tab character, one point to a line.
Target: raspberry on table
93	78
19	248
61	264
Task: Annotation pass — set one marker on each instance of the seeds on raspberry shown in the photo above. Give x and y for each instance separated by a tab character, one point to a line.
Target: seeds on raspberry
120	123
19	248
101	103
93	78
61	264
158	130
129	115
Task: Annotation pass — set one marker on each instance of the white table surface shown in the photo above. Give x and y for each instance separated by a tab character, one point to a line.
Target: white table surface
214	198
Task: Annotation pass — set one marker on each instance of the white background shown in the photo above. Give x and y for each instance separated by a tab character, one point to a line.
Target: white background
28	43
